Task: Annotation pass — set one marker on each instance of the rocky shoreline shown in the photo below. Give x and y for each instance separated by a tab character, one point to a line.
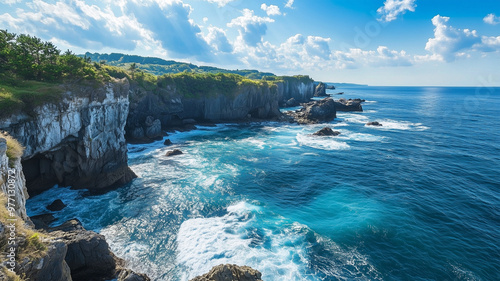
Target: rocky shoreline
82	142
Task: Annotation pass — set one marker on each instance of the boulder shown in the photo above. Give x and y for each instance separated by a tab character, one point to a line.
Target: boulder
173	152
230	272
348	105
292	102
42	221
326	131
374	123
320	90
57	205
167	142
315	112
330	87
152	128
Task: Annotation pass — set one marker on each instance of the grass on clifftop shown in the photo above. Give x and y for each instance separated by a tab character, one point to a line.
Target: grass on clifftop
14	149
29	243
17	96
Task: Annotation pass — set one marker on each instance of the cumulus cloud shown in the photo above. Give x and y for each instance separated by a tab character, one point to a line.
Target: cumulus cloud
449	42
271	10
251	27
289	4
217	38
382	57
491	19
158	25
393	8
170	23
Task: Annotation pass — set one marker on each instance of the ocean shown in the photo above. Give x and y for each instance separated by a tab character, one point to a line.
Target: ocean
415	199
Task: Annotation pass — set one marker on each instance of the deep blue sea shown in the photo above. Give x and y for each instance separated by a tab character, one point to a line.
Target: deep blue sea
415	199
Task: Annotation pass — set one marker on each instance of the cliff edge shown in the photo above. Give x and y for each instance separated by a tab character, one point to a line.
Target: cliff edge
77	142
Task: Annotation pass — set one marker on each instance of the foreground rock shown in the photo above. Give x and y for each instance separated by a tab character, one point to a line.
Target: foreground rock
374	123
315	112
173	152
320	90
88	255
230	272
349	105
326	131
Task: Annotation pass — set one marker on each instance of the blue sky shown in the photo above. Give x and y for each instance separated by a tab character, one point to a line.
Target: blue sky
376	42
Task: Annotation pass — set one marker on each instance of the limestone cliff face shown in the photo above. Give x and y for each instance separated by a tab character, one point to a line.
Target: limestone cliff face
168	108
78	142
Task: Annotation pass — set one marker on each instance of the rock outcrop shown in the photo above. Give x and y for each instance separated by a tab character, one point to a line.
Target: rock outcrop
349	105
230	272
173	152
320	90
78	142
326	131
330	87
315	112
88	255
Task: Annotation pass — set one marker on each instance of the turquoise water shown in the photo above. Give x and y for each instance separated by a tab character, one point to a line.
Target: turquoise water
415	199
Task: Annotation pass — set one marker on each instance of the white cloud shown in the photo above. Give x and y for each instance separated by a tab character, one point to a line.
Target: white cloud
393	8
217	38
251	27
449	42
491	19
488	44
220	3
271	10
289	4
11	2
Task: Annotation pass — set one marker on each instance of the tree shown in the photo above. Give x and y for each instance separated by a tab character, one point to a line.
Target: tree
133	68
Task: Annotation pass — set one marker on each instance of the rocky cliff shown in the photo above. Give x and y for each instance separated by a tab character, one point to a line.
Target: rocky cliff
12	182
64	253
77	142
167	107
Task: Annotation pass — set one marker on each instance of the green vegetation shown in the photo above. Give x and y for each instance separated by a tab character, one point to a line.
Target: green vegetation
157	66
31	72
31	244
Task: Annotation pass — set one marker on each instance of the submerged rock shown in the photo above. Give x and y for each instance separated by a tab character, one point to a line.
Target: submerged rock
173	152
230	272
315	112
326	131
57	205
374	123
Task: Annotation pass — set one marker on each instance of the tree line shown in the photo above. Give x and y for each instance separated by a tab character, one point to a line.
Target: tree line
28	57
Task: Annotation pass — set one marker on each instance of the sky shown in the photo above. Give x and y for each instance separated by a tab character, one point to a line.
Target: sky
375	42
